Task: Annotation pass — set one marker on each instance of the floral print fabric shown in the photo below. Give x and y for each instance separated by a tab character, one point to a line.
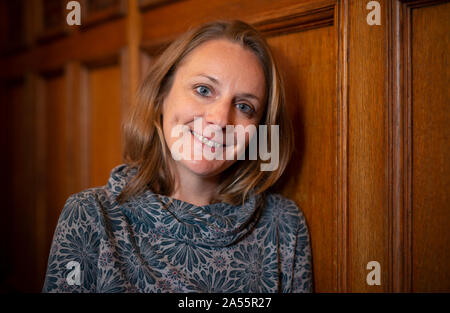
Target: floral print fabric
155	243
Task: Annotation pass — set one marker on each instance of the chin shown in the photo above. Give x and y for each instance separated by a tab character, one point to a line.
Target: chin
204	168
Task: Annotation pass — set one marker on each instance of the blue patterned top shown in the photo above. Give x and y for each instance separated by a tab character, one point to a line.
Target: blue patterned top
155	243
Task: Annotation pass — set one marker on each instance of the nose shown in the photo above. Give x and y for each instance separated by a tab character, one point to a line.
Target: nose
219	113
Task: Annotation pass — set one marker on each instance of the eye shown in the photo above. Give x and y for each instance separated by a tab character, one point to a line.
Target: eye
203	91
245	108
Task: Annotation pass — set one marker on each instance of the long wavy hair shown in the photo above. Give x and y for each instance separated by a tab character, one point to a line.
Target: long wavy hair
145	146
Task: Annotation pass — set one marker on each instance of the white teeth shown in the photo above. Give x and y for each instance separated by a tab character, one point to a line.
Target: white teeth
206	141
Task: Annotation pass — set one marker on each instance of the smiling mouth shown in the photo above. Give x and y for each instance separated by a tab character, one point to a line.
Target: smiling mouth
206	141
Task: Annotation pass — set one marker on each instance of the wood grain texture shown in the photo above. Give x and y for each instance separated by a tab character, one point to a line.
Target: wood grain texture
95	12
165	22
105	149
342	245
403	65
102	40
368	213
308	62
133	56
400	266
430	150
369	104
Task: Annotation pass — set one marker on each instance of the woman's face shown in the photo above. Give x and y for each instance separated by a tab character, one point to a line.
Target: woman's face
218	84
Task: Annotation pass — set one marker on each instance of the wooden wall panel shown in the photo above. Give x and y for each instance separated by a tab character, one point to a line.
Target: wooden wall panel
6	123
165	22
50	19
57	146
418	71
105	116
308	62
430	169
369	104
22	213
368	210
73	97
103	39
97	11
12	25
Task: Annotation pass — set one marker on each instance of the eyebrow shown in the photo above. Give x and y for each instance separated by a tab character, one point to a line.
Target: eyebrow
212	79
243	95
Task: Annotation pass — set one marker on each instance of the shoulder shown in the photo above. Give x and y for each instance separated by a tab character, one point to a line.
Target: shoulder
84	207
88	197
279	203
77	238
98	202
278	206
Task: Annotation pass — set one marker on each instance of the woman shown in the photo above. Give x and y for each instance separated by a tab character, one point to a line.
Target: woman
168	221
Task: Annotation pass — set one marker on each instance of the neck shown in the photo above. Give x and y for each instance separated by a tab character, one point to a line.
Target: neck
194	189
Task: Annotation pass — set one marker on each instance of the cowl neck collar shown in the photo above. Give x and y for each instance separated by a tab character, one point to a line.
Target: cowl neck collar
214	225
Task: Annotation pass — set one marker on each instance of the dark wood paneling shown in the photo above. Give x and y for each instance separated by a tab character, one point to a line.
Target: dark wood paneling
21	273
147	4
430	150
368	210
100	11
105	39
164	23
103	116
308	61
57	146
50	19
12	25
369	103
415	68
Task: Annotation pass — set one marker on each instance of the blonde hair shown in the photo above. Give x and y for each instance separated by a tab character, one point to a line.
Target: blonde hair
145	146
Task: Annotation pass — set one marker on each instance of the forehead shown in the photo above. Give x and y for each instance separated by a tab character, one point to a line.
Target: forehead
226	61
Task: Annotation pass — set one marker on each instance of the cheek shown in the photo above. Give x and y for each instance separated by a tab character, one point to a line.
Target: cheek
179	108
246	123
171	116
